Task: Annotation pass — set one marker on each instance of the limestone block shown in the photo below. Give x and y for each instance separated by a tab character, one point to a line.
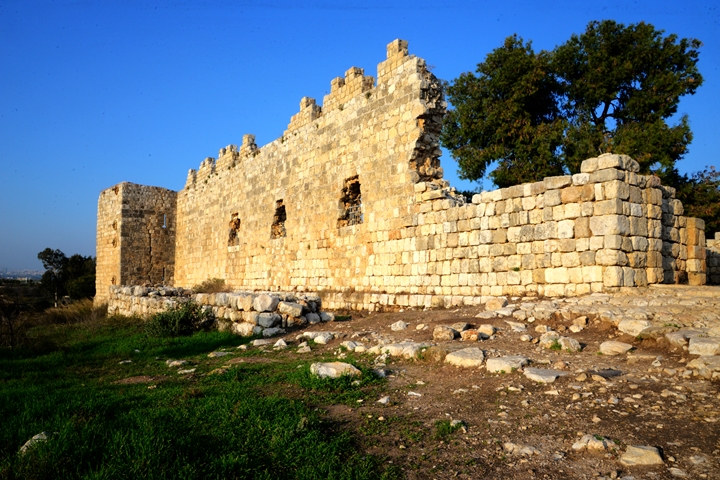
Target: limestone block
611	347
556	275
606	175
633	326
334	370
552	183
506	364
269	320
243	329
566	229
616	189
589	166
704	346
265	303
251	317
613	277
580	178
611	257
290	309
244	302
552	197
610	225
641	455
467	357
608	207
542	375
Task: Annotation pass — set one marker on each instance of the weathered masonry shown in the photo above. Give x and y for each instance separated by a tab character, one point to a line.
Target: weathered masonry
350	203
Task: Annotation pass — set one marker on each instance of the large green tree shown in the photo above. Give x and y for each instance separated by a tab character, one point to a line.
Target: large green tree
611	89
74	276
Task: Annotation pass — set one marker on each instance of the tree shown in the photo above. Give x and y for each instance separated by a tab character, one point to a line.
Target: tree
610	89
508	113
74	276
700	194
620	85
54	262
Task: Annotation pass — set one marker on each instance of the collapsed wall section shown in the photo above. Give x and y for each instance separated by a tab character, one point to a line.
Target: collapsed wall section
135	237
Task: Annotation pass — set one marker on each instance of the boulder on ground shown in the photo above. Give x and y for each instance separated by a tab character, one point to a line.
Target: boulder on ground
641	455
542	375
333	370
704	346
612	347
399	325
505	364
633	326
443	333
496	303
467	357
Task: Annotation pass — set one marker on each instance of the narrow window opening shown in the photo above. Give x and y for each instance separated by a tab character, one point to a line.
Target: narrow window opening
163	275
233	238
164	221
277	229
351	203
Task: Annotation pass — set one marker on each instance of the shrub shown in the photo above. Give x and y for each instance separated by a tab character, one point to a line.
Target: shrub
211	285
184	319
75	312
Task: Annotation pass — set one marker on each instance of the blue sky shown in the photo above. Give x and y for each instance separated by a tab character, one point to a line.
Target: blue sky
95	93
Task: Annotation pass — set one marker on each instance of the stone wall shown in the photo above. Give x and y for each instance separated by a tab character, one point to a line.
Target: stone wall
713	260
135	237
243	313
350	203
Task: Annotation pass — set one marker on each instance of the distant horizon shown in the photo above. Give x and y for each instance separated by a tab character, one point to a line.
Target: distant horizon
103	93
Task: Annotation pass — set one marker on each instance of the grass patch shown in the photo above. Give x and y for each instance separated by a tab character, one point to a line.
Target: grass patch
240	424
445	428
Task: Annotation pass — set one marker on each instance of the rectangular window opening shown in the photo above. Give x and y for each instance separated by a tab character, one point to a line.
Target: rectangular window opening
164	225
277	229
351	211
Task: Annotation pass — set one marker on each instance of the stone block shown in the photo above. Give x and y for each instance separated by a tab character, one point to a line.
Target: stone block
552	183
265	303
552	198
606	175
589	165
269	320
608	207
556	275
580	179
611	257
613	277
616	189
290	309
610	225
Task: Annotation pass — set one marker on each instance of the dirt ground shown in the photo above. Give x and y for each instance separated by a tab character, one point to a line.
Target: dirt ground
514	428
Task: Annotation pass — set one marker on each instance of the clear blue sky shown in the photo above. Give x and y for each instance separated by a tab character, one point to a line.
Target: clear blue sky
95	93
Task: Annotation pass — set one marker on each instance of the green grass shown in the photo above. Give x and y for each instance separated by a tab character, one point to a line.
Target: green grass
258	420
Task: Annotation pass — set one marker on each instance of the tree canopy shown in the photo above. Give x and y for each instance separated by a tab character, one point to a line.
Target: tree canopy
74	276
611	89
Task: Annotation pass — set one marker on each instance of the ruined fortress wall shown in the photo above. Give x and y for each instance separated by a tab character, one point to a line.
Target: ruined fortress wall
385	135
135	237
350	203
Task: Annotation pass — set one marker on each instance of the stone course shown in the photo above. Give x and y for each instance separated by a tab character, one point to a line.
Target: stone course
278	217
